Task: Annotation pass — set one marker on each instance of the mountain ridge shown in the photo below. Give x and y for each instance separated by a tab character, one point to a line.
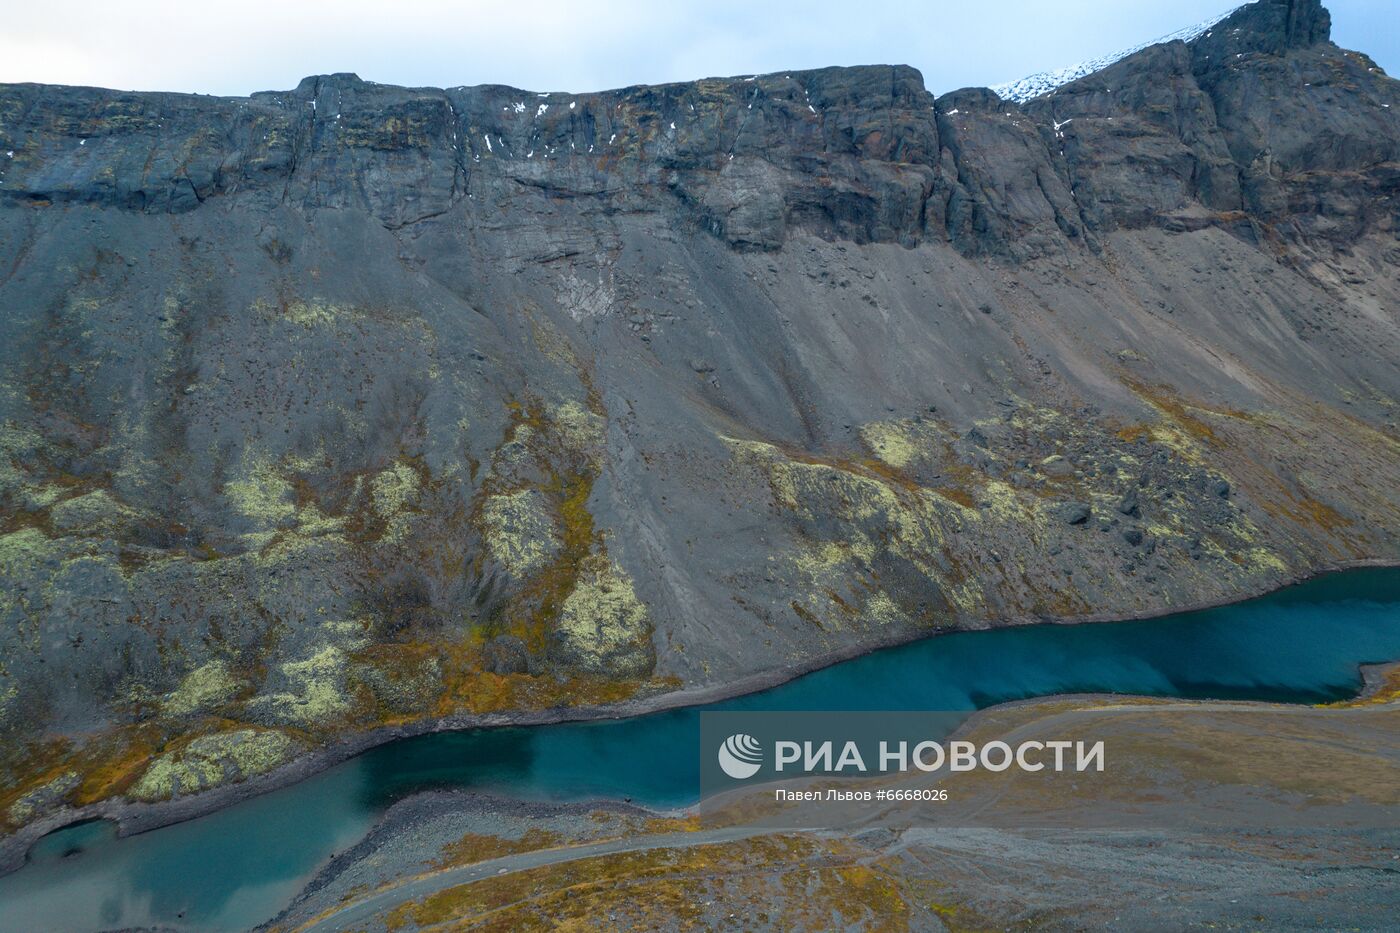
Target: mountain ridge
1041	83
354	405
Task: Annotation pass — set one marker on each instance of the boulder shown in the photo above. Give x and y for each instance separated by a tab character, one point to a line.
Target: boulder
1074	513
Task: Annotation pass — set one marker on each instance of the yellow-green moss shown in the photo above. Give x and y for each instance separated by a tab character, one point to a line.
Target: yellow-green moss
308	314
27	544
97	512
18	447
1005	504
394	489
874	513
317	697
583	430
394	494
204	688
603	627
833	563
877	512
891	441
212	760
883	610
261	495
520	531
42	798
25	555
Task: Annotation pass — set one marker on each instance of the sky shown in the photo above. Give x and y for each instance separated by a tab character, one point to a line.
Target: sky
578	45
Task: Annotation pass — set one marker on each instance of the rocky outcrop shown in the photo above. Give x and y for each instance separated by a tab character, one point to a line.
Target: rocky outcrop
1244	123
354	404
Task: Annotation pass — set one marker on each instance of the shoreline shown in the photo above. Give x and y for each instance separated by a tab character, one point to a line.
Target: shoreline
131	818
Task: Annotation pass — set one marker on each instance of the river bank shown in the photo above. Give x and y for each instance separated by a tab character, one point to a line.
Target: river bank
441	854
240	865
131	818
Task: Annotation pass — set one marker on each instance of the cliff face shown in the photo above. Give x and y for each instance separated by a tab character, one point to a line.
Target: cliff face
359	404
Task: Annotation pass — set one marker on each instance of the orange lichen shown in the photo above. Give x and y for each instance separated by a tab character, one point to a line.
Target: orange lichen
676	882
478	847
1386	691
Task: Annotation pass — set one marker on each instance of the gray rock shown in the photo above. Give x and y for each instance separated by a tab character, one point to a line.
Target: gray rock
1074	513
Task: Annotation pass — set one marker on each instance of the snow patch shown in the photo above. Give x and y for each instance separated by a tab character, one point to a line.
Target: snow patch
1038	85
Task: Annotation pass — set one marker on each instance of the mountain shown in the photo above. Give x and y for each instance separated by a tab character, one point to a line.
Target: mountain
1044	82
356	406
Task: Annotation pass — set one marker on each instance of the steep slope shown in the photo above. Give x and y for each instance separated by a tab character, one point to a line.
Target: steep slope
359	405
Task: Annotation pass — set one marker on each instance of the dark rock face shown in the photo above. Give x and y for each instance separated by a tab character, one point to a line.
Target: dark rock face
355	403
742	158
1243	120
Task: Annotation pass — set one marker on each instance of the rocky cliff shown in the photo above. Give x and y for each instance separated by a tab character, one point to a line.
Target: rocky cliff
357	405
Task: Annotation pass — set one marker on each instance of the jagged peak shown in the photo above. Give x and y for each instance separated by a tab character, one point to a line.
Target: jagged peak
1257	25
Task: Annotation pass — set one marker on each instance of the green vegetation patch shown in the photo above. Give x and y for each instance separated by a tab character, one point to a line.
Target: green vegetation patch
603	627
212	760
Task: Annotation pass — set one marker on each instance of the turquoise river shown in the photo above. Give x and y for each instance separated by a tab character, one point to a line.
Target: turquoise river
237	867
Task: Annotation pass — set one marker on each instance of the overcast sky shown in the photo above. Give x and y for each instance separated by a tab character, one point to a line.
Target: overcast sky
556	45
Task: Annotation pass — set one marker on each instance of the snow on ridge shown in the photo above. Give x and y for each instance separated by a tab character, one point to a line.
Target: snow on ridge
1044	82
